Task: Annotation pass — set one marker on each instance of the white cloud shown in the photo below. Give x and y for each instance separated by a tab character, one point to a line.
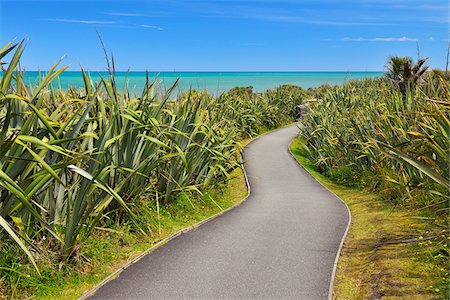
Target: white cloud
113	23
248	14
151	27
380	39
82	21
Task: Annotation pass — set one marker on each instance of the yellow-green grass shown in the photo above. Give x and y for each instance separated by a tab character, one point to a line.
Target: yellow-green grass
108	250
388	252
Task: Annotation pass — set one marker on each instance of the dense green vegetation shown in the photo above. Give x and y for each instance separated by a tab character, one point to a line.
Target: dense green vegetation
78	163
392	136
98	165
367	133
387	252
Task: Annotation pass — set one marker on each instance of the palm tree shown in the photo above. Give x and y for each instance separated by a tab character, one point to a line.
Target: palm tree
404	73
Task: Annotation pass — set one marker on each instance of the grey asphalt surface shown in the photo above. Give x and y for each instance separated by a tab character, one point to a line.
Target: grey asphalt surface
279	244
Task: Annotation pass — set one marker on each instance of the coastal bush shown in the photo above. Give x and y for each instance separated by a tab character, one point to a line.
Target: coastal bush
371	133
393	142
404	73
248	113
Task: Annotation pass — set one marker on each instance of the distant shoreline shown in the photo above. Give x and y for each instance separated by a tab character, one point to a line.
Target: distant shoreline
215	82
218	72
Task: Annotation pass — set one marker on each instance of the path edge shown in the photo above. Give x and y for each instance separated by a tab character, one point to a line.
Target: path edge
344	236
164	241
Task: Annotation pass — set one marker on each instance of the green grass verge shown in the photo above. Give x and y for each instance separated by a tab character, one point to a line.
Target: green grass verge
108	249
389	253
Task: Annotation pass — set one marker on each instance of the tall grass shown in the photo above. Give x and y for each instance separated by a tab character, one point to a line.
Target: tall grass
369	133
395	141
71	161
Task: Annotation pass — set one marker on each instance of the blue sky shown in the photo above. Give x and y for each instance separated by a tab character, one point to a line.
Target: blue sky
228	35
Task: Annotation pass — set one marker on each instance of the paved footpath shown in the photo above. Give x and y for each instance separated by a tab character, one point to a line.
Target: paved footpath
279	244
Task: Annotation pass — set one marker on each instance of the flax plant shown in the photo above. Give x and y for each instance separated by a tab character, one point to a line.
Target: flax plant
370	133
70	157
73	160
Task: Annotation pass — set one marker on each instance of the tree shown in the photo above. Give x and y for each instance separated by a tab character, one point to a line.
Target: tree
404	73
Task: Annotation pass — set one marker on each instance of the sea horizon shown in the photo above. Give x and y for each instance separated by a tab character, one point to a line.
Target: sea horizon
214	82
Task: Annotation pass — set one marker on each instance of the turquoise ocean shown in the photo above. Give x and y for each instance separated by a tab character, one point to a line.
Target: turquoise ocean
215	82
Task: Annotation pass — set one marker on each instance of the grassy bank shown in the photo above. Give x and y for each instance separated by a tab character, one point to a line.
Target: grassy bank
390	137
388	252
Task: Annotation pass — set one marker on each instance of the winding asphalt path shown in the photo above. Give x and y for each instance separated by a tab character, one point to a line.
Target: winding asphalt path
279	244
